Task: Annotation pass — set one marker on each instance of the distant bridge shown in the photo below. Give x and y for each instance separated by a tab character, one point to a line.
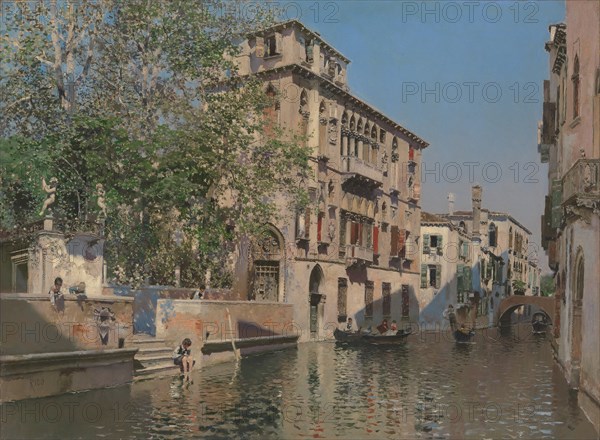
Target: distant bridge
510	304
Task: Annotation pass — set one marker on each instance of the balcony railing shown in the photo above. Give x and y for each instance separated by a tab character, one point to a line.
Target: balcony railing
353	166
359	254
583	179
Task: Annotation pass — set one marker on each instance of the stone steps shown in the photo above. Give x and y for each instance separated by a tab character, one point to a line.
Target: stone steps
153	359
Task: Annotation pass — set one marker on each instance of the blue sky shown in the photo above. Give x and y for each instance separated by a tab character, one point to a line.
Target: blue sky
484	64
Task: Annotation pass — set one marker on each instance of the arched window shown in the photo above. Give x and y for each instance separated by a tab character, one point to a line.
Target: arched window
462	226
271	111
395	154
367	129
345	119
352	123
493	235
374	132
510	237
304	103
359	127
322	109
575	80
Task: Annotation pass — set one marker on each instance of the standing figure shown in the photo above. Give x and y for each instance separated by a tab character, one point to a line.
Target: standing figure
450	316
51	191
101	199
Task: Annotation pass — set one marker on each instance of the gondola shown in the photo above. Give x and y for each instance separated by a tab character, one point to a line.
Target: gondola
539	323
348	337
359	338
400	336
463	338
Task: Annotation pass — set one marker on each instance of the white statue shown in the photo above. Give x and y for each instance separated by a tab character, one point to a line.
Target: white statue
101	199
51	191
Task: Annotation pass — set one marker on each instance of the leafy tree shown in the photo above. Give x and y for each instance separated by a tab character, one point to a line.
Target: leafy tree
547	286
144	98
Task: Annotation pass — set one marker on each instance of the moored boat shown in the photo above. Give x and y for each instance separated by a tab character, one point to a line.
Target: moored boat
400	336
539	322
350	337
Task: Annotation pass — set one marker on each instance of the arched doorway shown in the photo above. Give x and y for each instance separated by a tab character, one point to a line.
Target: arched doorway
316	300
577	319
266	266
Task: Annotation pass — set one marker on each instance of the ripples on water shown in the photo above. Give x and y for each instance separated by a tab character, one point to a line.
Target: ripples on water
429	387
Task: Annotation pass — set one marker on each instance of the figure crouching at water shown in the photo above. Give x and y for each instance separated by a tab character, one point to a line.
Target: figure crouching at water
182	356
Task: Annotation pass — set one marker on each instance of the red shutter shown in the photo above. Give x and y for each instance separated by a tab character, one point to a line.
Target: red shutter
360	233
394	242
375	239
411	153
319	226
353	233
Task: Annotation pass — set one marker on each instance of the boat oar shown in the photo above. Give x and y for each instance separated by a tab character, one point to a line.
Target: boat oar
235	350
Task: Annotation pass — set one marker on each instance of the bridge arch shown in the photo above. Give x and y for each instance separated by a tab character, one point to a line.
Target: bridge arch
510	304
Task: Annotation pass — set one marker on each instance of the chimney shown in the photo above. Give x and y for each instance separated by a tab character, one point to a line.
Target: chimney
450	203
476	200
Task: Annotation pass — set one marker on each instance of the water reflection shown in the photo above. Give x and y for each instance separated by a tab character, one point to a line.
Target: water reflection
429	387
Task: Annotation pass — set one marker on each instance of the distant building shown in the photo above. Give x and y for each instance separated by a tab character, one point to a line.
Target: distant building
349	257
446	268
478	257
569	142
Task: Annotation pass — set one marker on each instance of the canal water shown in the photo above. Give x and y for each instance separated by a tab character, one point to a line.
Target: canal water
429	387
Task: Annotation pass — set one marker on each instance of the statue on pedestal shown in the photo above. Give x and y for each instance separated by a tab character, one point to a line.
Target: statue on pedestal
101	193
51	191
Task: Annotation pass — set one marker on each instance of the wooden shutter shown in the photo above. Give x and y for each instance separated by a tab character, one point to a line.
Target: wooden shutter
440	244
278	43
556	203
394	241
423	276
438	276
259	50
467	278
307	223
319	225
376	239
426	244
411	153
460	277
402	243
353	232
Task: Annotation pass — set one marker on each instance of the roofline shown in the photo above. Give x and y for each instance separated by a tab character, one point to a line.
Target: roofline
315	35
491	214
330	85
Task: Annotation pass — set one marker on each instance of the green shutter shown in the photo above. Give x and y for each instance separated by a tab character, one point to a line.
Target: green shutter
440	243
467	278
460	277
438	276
483	269
426	244
423	276
556	203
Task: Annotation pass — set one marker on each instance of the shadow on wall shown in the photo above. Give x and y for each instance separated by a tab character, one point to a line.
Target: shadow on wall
146	298
403	320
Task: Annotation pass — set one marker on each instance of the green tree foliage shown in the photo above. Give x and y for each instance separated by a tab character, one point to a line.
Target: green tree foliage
144	98
547	286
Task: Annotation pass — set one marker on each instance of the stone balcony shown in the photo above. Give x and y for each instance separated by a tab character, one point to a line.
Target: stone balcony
356	254
581	186
356	171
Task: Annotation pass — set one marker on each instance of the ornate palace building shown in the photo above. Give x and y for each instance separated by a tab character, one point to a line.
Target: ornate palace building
349	254
569	141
